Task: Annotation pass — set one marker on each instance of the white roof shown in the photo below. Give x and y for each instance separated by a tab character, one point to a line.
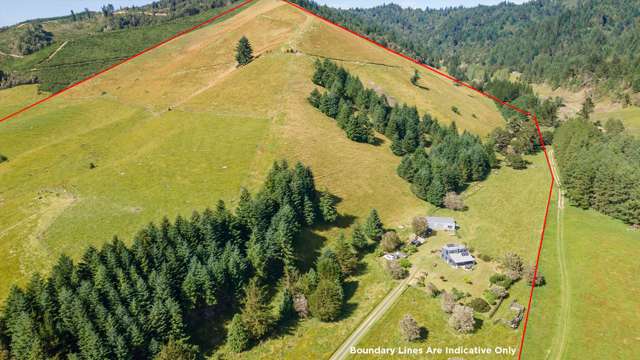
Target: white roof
390	256
451	247
459	258
440	220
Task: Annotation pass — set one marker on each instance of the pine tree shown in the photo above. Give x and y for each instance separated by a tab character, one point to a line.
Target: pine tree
373	227
284	228
396	145
286	310
344	114
328	266
422	182
238	335
314	98
436	192
346	257
244	211
244	53
177	350
256	314
358	238
326	301
328	207
309	211
358	129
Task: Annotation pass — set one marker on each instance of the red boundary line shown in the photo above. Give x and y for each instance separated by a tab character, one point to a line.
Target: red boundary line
531	116
434	70
153	47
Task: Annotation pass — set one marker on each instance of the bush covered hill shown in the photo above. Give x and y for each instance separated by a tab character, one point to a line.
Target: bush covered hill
60	51
559	42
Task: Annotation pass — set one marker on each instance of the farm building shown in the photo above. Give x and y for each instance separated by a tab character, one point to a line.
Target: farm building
457	256
395	255
441	223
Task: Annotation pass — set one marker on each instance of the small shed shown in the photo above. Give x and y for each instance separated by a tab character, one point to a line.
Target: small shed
441	223
417	240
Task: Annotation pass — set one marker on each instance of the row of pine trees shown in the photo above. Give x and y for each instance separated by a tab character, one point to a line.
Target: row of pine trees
124	302
436	159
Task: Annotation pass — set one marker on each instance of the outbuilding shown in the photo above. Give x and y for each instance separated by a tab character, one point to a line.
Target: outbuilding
438	223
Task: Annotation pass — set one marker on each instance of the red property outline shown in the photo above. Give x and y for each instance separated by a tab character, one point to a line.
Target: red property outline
152	47
246	2
462	83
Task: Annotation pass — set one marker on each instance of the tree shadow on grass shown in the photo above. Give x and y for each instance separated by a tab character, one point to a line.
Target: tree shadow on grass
424	333
478	324
206	328
343	221
349	288
377	141
361	269
308	247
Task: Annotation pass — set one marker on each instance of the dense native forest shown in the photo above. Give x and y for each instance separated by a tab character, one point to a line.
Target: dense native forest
559	42
600	167
93	40
436	159
145	300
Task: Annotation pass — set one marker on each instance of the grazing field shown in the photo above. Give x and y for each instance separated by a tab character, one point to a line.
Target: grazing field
16	98
180	127
87	50
184	128
599	318
506	210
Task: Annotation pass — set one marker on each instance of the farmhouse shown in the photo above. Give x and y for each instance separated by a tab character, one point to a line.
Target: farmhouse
441	223
457	256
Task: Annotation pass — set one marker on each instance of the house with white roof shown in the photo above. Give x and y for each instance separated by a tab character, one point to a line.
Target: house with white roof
457	256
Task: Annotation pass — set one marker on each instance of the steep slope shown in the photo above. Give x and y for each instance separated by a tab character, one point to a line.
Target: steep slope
175	129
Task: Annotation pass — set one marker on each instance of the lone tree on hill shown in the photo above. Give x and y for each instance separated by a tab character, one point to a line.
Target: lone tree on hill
447	302
462	319
409	328
244	53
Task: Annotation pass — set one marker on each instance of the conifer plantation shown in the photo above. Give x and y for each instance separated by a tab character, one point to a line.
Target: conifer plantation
600	168
436	159
123	302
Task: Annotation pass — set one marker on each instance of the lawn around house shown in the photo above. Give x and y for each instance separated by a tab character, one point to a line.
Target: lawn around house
483	228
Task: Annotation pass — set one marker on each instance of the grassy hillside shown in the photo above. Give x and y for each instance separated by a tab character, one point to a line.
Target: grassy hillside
180	127
16	98
584	260
84	47
164	154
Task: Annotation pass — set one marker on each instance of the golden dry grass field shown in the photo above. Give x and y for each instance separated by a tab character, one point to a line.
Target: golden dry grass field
180	127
